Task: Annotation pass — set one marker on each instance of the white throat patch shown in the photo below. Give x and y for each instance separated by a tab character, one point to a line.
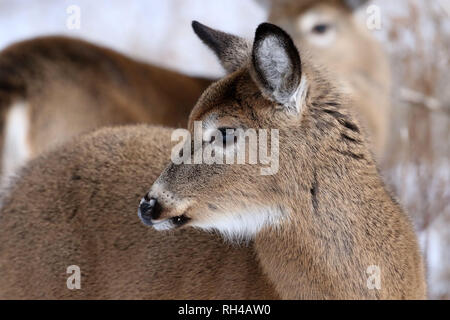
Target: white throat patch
241	226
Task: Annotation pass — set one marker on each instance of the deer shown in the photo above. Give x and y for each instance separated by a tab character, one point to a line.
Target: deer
315	229
336	39
54	88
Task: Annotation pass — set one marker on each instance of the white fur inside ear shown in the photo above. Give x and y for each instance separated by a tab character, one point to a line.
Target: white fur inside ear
274	60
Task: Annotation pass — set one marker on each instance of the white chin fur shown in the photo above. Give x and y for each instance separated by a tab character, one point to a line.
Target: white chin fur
242	225
163	225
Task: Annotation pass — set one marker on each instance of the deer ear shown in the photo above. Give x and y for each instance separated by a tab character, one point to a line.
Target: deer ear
232	51
276	65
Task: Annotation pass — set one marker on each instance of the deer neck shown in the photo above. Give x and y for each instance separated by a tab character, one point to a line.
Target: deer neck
324	208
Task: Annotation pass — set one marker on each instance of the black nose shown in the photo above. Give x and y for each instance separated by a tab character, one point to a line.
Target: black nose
149	209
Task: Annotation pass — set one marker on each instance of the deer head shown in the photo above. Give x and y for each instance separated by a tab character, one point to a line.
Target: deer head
267	88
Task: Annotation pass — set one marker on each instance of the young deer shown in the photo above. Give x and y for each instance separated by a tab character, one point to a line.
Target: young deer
312	230
54	88
329	32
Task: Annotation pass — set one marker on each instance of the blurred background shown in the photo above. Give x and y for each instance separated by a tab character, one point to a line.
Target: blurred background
414	33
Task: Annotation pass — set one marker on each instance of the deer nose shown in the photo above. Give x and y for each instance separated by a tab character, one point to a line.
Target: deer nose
149	210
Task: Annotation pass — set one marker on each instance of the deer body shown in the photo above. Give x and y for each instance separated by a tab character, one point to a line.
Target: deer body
60	87
311	230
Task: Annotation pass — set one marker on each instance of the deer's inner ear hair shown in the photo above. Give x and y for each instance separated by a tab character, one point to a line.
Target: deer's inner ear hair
276	64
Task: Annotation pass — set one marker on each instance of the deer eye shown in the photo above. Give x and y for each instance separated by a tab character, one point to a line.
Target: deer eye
228	136
320	28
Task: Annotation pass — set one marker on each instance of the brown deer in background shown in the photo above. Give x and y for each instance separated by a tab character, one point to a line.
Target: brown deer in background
312	230
329	31
55	88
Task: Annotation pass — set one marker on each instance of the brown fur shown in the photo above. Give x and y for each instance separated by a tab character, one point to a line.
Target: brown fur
96	227
354	57
76	205
73	87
